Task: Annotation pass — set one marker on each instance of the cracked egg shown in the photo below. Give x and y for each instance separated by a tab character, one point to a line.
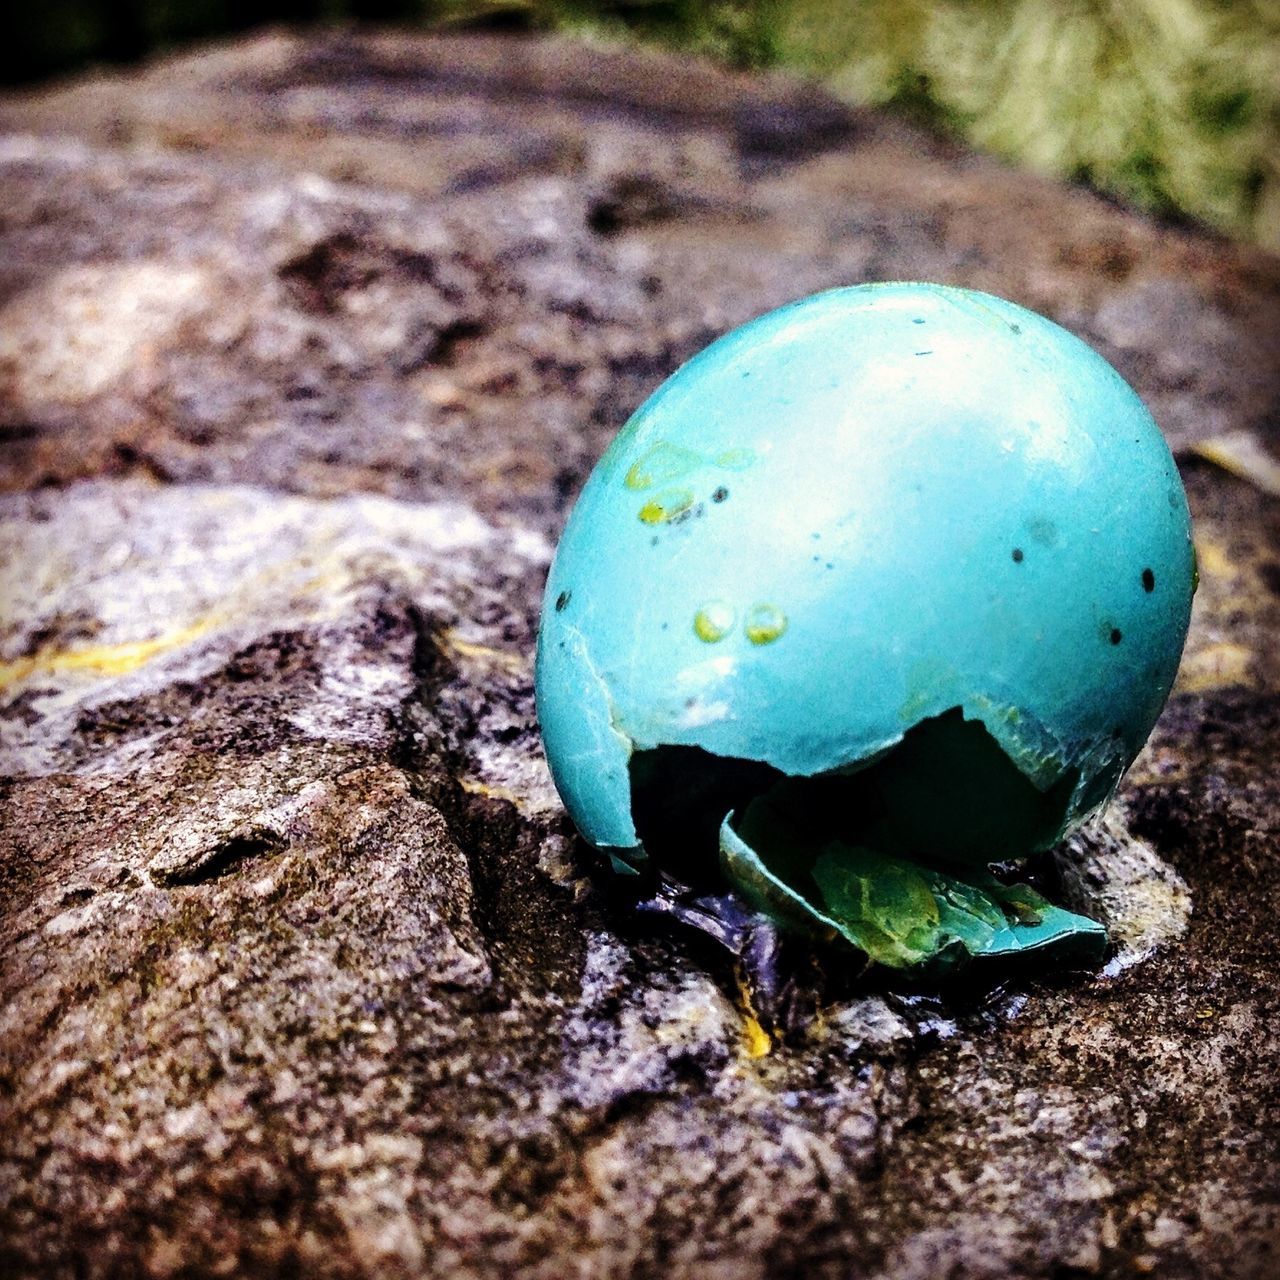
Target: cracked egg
872	600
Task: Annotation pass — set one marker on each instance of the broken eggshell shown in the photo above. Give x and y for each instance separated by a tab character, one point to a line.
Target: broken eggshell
880	588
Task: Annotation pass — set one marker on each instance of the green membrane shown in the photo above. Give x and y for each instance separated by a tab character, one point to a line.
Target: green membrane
902	914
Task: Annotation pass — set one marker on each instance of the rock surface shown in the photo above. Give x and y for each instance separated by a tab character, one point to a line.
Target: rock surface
305	345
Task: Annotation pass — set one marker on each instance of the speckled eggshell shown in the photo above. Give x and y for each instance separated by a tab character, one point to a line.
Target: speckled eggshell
857	512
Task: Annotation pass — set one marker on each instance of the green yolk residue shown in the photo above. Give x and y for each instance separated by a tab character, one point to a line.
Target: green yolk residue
714	621
660	464
765	623
666	506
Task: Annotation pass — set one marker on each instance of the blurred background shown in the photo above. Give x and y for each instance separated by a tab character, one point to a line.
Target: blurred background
1171	104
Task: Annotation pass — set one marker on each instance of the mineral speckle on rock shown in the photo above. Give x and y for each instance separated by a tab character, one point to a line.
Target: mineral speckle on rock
305	346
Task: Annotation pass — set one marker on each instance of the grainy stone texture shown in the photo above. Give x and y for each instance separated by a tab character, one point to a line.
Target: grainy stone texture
305	345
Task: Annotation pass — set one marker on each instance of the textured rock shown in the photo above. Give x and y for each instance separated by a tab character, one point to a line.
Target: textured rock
305	346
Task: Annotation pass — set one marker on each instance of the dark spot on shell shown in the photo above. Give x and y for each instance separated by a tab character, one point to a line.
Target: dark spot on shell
1116	637
1043	531
918	320
720	494
653	542
1148	580
563	599
1017	555
1017	328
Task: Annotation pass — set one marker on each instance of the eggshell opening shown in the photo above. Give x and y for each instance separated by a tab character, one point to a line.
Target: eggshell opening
946	791
890	854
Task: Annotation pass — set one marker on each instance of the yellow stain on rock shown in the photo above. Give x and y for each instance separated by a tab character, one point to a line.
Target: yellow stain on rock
99	660
758	1040
1243	454
1216	666
477	788
1213	560
517	663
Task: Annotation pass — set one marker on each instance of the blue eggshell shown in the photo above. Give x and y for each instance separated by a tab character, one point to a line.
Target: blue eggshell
855	513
